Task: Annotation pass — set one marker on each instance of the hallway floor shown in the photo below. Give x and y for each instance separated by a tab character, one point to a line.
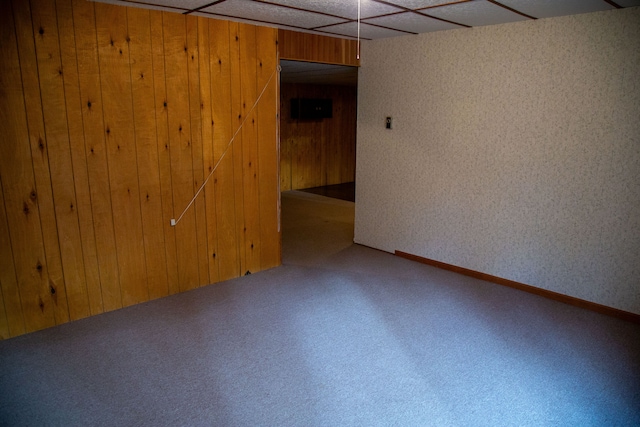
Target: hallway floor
346	191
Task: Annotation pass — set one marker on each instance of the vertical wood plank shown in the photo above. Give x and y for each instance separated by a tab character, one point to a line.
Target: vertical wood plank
324	136
286	141
115	77
331	156
4	324
237	118
196	105
208	162
143	92
8	284
228	255
164	153
13	323
319	152
78	156
250	166
271	249
40	157
112	118
177	84
51	75
96	152
19	189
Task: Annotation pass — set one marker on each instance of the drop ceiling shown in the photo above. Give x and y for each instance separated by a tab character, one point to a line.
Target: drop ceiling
378	18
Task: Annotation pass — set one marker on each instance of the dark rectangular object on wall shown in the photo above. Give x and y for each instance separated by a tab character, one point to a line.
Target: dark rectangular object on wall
303	108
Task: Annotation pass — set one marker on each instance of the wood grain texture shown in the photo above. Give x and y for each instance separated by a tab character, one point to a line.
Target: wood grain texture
11	317
96	152
73	104
19	189
250	168
237	118
111	120
115	77
146	141
177	83
40	155
208	161
195	111
267	113
318	152
220	66
57	133
307	47
164	153
8	283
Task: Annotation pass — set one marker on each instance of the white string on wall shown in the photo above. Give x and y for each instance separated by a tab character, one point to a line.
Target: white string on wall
175	222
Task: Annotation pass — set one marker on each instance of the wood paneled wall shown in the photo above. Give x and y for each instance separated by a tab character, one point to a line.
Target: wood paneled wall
111	118
307	47
318	152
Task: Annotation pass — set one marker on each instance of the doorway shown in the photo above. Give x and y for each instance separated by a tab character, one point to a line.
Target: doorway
317	161
318	154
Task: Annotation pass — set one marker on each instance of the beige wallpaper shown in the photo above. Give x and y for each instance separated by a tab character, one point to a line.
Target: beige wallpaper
515	152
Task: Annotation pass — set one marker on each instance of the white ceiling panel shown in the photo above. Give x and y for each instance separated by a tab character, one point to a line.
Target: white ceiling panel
366	31
266	13
417	4
342	8
170	7
549	8
387	18
183	4
413	22
476	13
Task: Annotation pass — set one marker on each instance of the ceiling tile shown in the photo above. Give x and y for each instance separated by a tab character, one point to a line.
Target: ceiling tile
413	22
168	5
183	4
342	8
366	31
267	13
388	18
417	4
549	8
476	13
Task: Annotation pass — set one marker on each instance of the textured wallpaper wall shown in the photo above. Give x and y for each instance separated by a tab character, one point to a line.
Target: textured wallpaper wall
515	152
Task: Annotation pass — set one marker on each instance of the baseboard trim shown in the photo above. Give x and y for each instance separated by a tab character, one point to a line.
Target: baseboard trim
599	308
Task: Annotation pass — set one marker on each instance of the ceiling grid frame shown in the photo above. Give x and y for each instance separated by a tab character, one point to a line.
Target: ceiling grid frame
380	18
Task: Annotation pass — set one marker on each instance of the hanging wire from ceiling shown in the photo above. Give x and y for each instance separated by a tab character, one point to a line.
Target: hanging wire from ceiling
358	49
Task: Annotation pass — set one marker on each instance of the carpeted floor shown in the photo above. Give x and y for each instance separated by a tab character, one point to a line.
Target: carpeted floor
340	335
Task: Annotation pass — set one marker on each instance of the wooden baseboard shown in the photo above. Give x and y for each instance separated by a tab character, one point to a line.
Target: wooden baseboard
599	308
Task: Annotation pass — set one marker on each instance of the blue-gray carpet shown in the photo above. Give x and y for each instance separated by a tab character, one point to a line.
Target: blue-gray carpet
340	335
